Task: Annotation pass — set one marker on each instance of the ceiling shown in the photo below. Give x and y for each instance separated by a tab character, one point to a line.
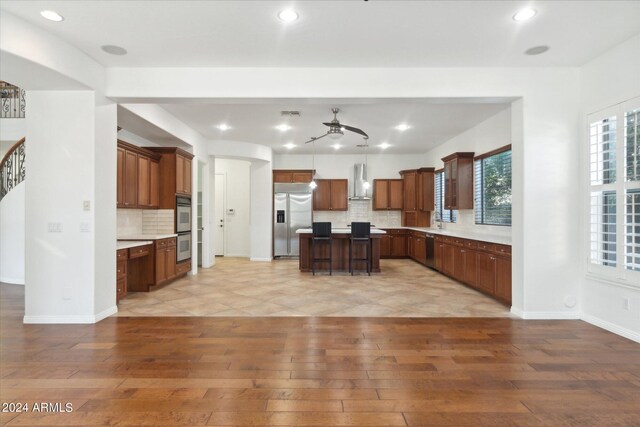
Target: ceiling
432	121
337	33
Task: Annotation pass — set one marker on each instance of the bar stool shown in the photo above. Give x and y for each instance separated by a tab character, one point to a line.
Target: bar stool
321	236
360	235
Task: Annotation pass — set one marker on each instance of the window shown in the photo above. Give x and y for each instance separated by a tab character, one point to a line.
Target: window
493	187
614	193
444	215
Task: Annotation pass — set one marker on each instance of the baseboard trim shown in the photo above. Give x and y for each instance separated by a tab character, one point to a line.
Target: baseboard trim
260	259
73	319
546	315
12	280
611	327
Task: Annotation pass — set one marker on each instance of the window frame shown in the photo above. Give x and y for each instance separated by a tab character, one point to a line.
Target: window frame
477	203
617	275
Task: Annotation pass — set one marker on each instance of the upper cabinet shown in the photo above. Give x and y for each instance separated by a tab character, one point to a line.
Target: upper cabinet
138	177
175	169
458	181
388	194
292	176
417	197
331	195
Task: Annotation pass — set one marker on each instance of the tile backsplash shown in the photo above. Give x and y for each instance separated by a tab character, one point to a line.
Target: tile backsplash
145	221
360	211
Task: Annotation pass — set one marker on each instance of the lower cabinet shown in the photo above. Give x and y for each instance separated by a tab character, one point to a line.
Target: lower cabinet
165	260
503	278
122	256
394	244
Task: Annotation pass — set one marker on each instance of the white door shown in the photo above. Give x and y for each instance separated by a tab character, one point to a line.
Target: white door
219	215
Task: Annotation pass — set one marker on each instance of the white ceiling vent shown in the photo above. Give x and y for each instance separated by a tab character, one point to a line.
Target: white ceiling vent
290	113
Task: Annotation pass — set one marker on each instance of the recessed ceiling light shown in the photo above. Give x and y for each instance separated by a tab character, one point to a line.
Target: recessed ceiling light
384	145
290	145
223	127
288	15
402	127
283	127
336	146
52	16
537	50
114	50
524	15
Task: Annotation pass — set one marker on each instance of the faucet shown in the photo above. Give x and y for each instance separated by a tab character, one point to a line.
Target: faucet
440	223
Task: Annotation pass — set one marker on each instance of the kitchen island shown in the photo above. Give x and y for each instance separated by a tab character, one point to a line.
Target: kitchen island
340	250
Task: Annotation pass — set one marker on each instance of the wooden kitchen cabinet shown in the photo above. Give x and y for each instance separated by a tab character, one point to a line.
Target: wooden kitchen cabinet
121	274
331	195
458	181
144	183
120	179
174	171
388	194
409	179
292	176
420	248
183	175
438	253
426	189
413	199
503	278
394	243
130	179
138	177
154	184
165	260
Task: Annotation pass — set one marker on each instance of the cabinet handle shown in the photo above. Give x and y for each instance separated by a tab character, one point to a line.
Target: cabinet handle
463	251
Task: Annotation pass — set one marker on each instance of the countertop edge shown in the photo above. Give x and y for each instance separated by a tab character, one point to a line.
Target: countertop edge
500	240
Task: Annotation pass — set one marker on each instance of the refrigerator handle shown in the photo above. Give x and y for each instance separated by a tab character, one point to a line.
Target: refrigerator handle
288	224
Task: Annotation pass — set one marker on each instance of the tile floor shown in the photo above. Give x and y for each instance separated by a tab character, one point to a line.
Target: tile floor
239	287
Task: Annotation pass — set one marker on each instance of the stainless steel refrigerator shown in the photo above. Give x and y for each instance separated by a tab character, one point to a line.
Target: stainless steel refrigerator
292	209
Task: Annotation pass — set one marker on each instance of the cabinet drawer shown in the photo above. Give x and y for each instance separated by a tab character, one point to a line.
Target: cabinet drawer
395	231
458	241
171	242
139	251
483	246
122	254
183	267
121	287
121	269
502	249
471	244
162	243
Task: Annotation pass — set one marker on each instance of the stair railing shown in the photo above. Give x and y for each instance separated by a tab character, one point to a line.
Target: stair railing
12	168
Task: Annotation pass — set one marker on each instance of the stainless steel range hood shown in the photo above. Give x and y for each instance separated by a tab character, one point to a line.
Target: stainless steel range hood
359	178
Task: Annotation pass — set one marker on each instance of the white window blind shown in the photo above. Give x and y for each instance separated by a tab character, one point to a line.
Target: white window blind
493	189
614	193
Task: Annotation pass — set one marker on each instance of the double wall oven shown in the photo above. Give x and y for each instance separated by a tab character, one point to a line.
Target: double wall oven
183	228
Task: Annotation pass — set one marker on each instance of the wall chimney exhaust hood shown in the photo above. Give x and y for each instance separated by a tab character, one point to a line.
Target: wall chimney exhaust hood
359	178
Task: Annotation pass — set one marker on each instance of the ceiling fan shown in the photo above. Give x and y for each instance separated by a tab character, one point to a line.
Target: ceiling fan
336	129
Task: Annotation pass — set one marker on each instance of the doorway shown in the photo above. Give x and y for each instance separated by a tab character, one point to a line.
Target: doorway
218	237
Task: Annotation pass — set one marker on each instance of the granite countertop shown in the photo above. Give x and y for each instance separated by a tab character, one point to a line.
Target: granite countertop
146	236
339	231
126	244
463	234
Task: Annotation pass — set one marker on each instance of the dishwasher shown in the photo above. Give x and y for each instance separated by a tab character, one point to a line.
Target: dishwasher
430	261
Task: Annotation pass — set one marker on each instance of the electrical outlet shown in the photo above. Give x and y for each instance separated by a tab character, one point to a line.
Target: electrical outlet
626	304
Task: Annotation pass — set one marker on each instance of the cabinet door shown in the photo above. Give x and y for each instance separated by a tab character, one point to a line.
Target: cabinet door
396	194
282	177
486	272
458	263
120	179
339	197
428	192
399	246
420	249
322	195
130	179
438	254
454	184
154	184
144	188
470	269
410	218
187	176
380	194
409	191
179	174
161	265
385	246
411	248
503	278
301	177
170	262
447	259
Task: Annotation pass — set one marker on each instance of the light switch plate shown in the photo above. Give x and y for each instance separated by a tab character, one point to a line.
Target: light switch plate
86	205
54	227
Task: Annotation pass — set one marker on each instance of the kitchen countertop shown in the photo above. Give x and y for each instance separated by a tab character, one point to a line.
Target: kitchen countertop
126	244
339	231
146	236
464	234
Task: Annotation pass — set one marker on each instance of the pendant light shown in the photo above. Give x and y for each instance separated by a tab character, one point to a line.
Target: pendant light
366	184
313	184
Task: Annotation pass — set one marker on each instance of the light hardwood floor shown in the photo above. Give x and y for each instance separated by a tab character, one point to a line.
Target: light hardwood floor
238	287
317	371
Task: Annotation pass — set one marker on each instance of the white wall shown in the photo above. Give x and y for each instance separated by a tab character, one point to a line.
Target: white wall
237	197
70	275
12	231
495	132
261	210
610	79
